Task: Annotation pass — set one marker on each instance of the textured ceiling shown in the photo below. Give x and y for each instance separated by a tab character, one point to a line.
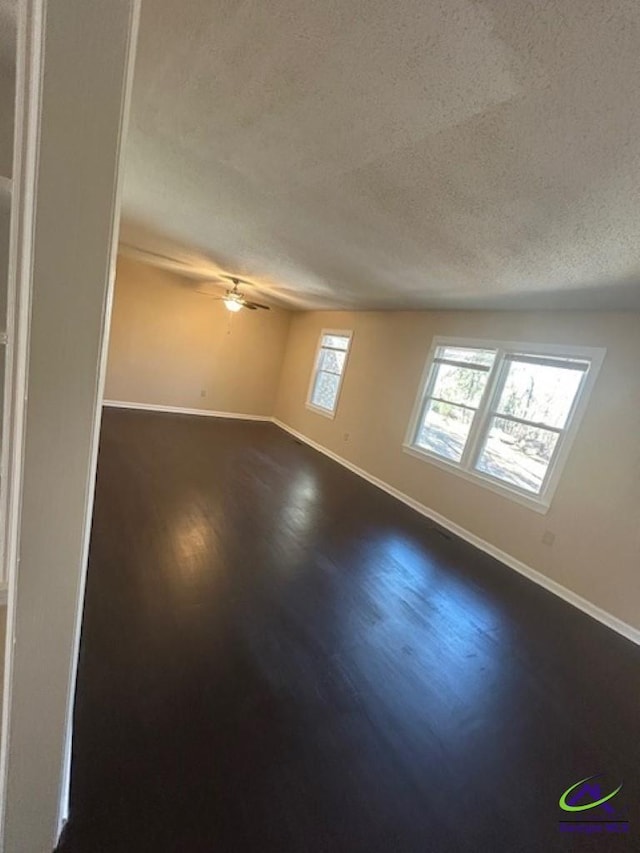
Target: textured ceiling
392	153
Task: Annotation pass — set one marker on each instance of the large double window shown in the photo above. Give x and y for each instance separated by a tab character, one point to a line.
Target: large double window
503	414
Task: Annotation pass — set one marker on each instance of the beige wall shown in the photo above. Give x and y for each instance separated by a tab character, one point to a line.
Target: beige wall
595	514
169	343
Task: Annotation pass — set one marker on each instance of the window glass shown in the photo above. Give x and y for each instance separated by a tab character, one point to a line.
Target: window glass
456	384
517	453
539	392
459	384
330	365
444	429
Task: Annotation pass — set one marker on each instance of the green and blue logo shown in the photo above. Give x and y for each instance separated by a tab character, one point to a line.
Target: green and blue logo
591	810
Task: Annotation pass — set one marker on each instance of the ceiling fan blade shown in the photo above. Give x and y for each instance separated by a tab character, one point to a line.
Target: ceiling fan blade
234	279
207	290
250	306
254	305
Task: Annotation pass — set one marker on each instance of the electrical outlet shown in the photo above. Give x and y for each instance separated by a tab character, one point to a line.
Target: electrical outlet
203	392
346	436
548	537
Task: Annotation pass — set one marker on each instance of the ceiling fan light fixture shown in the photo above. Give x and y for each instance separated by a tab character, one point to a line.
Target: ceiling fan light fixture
232	304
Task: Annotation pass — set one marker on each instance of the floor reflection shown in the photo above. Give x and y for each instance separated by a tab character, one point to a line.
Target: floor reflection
298	516
193	541
412	641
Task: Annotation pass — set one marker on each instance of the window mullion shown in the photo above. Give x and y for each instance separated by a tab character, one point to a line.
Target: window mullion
464	365
479	427
452	403
534	424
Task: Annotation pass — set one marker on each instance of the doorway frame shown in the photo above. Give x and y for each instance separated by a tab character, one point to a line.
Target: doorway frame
29	87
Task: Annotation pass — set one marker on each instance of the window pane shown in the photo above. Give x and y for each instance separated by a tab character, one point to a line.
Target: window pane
336	341
332	360
444	430
517	453
459	384
473	356
325	390
538	392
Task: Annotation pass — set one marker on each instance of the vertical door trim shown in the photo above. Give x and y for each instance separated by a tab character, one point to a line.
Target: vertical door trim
134	23
27	106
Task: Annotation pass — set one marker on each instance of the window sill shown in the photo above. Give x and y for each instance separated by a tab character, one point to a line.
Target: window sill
535	502
320	411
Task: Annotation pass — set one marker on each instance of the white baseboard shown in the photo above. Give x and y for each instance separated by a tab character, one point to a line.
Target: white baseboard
563	592
178	410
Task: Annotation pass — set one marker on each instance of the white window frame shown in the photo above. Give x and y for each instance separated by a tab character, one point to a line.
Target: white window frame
486	410
320	410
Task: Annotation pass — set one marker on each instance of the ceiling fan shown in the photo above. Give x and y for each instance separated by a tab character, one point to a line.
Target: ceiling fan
234	300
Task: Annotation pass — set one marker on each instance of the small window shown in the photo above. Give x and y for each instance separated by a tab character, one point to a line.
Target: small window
503	414
330	363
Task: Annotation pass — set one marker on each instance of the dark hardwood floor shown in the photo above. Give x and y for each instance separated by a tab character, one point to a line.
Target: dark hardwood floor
277	656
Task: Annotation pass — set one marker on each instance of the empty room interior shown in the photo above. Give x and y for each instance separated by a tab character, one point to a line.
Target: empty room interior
361	567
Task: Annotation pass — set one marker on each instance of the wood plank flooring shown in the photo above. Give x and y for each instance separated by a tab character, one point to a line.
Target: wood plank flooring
277	656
